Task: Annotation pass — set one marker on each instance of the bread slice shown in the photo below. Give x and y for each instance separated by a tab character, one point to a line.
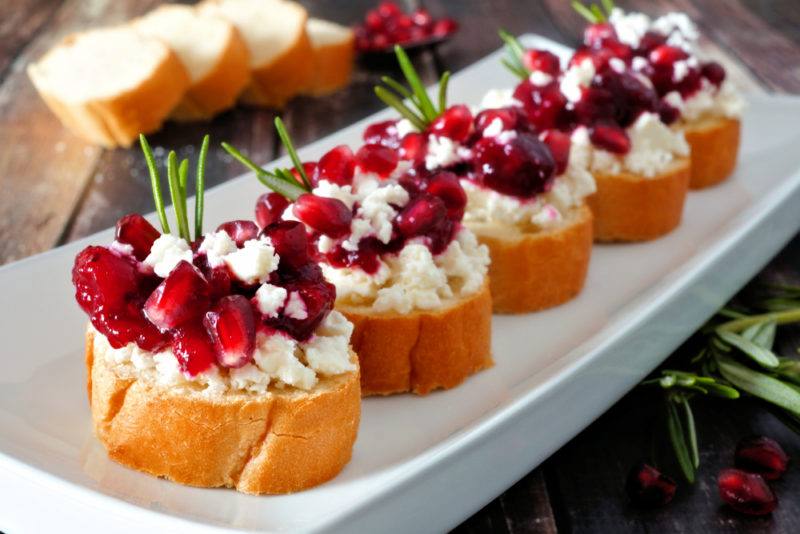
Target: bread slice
629	207
108	85
714	144
212	51
531	271
423	350
281	58
334	51
281	442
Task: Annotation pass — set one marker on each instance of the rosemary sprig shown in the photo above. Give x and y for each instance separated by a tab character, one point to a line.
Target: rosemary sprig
412	102
514	52
287	143
593	13
177	177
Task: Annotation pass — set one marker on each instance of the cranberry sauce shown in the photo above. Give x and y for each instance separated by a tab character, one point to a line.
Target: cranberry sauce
205	314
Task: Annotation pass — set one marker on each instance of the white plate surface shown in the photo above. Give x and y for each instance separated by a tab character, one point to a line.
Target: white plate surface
420	464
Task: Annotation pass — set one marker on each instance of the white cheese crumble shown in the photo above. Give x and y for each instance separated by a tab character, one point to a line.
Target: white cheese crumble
216	245
122	249
254	261
540	78
708	101
499	98
296	307
576	78
404	127
270	299
166	252
443	152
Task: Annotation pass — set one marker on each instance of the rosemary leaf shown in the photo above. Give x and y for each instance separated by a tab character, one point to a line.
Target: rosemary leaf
608	5
678	440
200	187
584	12
760	385
392	101
721	390
271	181
183	176
398	88
155	184
175	193
515	48
443	82
598	13
423	100
780	317
760	355
516	71
287	143
789	368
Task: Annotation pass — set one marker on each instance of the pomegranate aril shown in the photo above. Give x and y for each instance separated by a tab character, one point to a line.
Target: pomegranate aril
134	230
421	17
611	138
647	487
310	168
455	123
559	144
542	105
121	328
421	215
377	158
666	55
270	208
713	72
508	117
649	41
193	348
291	243
240	231
329	216
522	167
388	10
541	60
444	27
761	455
446	186
382	133
181	297
747	493
318	297
337	166
104	281
231	326
667	113
595	34
414	147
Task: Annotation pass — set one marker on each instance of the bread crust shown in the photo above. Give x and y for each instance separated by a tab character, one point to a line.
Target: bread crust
423	350
532	271
333	67
281	442
628	207
715	148
221	87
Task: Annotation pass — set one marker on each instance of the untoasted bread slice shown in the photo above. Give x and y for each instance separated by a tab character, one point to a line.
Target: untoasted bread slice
423	350
109	85
628	207
531	271
334	51
281	442
714	146
281	59
212	51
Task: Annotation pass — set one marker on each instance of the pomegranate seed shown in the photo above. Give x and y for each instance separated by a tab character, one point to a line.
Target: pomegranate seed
595	34
542	104
559	144
414	147
648	487
455	123
414	184
219	280
329	216
611	138
446	186
270	208
747	493
522	167
598	56
240	230
762	455
444	27
509	117
373	21
389	10
376	158
104	281
318	297
421	215
181	297
666	55
337	166
291	243
135	231
616	48
421	17
310	169
541	60
132	327
382	133
649	41
231	325
667	113
713	72
193	348
621	97
379	42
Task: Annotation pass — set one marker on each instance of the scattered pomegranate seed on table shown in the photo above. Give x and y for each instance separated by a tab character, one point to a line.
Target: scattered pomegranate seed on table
647	487
747	493
761	455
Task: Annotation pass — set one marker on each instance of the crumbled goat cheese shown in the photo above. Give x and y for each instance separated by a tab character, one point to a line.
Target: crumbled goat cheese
254	261
167	252
270	299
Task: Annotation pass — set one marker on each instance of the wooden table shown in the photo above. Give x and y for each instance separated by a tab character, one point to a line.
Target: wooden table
55	188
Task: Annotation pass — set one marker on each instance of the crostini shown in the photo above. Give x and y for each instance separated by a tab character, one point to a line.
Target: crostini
216	361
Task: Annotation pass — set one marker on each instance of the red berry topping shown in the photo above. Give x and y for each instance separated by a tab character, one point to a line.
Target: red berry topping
522	167
269	208
337	166
542	104
382	133
649	41
291	243
318	297
134	230
747	493
329	216
713	72
667	113
181	297
422	215
444	27
559	144
596	34
761	455
104	281
509	117
376	158
240	231
193	348
446	186
648	487
310	169
541	60
455	123
121	329
231	326
414	147
611	138
666	55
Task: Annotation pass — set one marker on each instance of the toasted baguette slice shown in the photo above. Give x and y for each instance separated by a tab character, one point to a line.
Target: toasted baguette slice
281	442
281	59
334	51
109	85
628	207
423	350
212	51
714	144
531	271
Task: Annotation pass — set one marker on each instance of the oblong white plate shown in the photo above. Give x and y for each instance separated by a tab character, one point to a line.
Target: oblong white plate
420	464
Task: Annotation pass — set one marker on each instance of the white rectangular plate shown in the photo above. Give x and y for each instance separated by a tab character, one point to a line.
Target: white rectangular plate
420	464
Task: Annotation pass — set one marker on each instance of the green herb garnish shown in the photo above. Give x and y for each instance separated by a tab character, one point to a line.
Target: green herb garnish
514	52
594	13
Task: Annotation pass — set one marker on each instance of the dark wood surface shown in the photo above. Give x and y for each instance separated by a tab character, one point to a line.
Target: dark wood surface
55	188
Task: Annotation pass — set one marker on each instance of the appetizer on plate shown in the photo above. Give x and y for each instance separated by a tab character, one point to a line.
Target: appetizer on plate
216	360
525	192
613	117
408	274
697	99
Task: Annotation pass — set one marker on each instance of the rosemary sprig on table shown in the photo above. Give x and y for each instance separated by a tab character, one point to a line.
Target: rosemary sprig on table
412	102
279	180
593	13
736	360
177	177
